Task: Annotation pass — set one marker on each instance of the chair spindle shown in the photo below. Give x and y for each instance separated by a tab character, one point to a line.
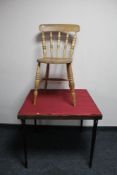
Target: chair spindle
65	46
58	43
44	44
51	44
73	45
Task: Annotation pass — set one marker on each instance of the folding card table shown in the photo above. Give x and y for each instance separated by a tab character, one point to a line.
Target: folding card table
57	105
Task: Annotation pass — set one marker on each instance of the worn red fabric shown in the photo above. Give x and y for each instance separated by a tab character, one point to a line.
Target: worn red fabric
59	103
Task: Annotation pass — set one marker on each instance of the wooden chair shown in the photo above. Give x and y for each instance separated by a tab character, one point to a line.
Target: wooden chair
61	33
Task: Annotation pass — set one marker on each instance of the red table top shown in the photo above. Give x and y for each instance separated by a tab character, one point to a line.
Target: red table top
57	104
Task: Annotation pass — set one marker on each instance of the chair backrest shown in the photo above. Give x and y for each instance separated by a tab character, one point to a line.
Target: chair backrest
66	33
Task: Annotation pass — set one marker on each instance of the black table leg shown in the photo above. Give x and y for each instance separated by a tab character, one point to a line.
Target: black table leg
35	122
93	141
24	143
81	125
35	125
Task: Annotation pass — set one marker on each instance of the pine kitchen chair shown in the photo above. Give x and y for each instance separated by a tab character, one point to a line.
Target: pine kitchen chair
61	36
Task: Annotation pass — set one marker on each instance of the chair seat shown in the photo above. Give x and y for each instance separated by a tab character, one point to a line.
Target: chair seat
55	60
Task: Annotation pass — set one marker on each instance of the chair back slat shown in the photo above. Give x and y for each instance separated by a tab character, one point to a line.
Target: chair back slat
65	45
58	43
44	44
51	44
72	45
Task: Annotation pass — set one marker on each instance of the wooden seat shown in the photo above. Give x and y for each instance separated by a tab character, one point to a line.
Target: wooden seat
62	39
54	60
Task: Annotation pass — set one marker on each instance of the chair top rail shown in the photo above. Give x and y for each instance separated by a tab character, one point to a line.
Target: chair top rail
59	27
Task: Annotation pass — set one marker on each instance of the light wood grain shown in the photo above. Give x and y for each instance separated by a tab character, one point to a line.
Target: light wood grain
65	45
44	44
55	60
51	44
58	44
37	81
59	27
71	83
73	45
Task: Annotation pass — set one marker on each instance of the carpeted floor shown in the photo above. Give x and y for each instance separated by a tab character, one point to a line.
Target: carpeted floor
58	151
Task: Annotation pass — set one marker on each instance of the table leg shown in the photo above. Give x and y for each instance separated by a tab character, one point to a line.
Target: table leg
24	142
35	122
93	141
35	125
81	125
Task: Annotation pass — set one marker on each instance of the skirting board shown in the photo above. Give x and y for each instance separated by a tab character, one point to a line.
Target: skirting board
56	126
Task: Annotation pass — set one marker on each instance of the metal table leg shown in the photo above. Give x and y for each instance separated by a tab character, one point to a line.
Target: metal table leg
35	122
24	143
35	125
93	141
81	125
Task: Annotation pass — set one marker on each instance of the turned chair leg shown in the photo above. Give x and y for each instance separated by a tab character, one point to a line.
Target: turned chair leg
37	81
46	76
71	82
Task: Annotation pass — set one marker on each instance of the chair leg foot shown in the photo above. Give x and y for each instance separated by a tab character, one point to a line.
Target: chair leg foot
73	98
71	83
35	97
